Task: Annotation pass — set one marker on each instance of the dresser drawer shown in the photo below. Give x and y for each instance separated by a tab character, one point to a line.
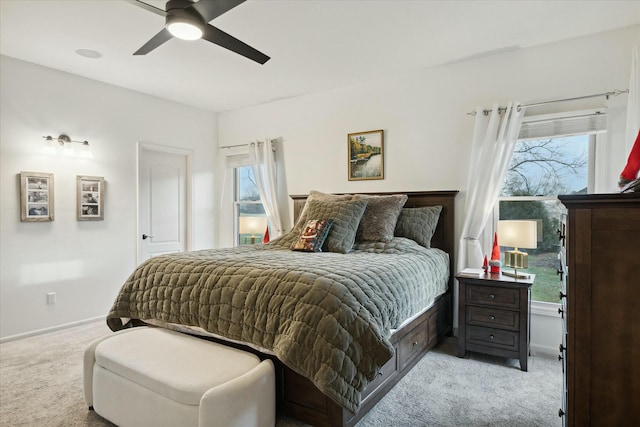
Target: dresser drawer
497	338
493	318
493	296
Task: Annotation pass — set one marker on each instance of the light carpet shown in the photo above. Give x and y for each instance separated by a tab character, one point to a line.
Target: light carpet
41	385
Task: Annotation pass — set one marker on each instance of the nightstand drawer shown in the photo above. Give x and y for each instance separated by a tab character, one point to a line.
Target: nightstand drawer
493	337
493	296
493	318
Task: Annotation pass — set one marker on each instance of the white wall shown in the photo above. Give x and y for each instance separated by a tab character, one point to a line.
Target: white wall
84	262
424	116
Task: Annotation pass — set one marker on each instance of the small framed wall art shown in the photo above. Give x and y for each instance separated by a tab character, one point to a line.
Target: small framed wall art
36	197
90	198
366	155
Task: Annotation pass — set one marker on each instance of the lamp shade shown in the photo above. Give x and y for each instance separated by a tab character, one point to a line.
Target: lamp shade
518	233
252	224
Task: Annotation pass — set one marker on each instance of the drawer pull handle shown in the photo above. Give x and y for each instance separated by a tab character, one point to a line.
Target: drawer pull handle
415	343
492	317
492	337
492	296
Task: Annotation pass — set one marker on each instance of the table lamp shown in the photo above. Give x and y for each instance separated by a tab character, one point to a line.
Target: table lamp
252	225
517	234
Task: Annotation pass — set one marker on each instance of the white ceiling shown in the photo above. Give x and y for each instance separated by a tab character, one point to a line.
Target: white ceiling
314	45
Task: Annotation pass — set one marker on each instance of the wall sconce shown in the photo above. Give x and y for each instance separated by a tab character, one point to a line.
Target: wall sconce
62	140
517	234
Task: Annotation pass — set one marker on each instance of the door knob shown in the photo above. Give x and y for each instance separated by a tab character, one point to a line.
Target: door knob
145	237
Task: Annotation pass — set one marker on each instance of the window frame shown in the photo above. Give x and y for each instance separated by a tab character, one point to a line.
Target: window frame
596	176
237	203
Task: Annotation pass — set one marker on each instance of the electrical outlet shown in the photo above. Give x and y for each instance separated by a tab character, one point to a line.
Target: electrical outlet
51	298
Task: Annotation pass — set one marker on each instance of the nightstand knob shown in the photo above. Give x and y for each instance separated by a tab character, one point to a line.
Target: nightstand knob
415	343
492	337
492	317
492	296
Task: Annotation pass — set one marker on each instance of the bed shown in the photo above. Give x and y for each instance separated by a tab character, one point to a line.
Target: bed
342	326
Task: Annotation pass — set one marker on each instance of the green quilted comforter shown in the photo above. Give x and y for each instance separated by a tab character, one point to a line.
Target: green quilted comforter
327	316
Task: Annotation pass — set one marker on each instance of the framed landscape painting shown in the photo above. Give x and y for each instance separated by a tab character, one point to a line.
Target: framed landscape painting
90	198
366	155
36	197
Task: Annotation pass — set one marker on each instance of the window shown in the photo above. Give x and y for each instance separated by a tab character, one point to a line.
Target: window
555	155
250	218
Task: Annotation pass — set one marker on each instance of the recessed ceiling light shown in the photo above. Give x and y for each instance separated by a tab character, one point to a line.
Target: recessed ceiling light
88	53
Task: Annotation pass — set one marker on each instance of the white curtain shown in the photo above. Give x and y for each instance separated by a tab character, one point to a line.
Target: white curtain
633	102
264	172
494	138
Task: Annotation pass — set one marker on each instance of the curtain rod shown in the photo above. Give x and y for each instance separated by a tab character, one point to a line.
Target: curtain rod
273	141
537	104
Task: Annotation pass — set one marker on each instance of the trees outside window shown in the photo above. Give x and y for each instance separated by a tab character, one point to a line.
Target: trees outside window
247	204
540	170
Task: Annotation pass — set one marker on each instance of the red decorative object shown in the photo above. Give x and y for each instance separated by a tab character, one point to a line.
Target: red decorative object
485	264
630	171
494	263
265	239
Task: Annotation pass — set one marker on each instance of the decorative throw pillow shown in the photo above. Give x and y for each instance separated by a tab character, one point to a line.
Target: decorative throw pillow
346	216
418	224
316	195
313	235
379	220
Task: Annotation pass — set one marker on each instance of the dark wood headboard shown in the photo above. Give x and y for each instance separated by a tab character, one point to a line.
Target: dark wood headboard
444	236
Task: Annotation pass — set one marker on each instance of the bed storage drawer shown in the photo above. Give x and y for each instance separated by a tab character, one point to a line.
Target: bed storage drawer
389	369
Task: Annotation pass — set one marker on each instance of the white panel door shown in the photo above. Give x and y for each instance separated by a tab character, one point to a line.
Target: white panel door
162	189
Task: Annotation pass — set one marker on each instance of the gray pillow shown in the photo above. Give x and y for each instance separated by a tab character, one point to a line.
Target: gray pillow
379	220
418	224
316	195
346	216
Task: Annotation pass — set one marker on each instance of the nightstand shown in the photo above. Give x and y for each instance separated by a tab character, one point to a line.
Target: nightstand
494	316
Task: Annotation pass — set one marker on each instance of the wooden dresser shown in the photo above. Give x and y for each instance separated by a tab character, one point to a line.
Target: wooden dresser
601	309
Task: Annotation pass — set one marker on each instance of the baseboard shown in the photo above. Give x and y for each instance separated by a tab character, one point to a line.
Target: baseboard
51	329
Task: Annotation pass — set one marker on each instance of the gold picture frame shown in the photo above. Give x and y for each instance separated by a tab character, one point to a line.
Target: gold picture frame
366	155
90	193
36	197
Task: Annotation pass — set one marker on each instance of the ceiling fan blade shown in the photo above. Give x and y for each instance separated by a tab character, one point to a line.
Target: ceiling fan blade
210	9
148	7
219	37
156	41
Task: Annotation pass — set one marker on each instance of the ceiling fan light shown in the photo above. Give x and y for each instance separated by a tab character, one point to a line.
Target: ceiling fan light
184	30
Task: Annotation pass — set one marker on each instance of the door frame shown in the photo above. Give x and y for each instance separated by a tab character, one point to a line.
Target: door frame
188	154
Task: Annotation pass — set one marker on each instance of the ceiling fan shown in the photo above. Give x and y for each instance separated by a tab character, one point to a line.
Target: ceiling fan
188	20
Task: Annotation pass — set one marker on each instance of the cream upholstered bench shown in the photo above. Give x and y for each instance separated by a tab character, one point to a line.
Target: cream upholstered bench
148	376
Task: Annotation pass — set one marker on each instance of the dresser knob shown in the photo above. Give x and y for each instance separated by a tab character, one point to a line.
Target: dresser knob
491	337
492	317
492	296
415	343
